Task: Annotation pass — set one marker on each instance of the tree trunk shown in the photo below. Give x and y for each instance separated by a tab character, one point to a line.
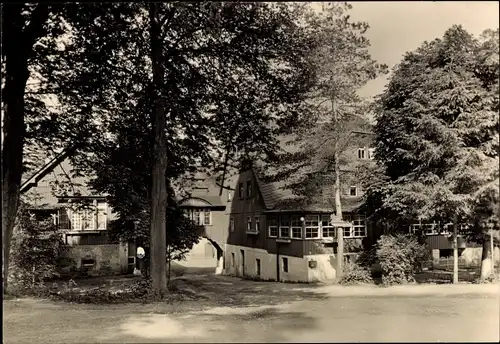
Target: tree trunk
158	254
338	204
18	38
455	251
487	258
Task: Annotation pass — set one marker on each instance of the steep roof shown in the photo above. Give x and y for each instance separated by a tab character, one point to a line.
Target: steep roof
45	169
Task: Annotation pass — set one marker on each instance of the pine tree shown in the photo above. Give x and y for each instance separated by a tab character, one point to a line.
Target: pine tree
437	131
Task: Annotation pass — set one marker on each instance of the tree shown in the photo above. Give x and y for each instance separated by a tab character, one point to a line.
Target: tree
20	32
225	65
437	131
334	117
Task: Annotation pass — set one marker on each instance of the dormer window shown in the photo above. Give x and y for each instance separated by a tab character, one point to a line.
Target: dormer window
249	188
240	190
361	153
353	191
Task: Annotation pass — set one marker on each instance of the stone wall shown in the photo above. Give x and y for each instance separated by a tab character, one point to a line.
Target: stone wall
99	259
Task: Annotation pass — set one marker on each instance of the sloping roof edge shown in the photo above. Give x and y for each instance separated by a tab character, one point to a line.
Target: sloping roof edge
46	169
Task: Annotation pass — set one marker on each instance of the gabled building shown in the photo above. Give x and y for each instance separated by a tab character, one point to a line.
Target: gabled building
83	216
274	235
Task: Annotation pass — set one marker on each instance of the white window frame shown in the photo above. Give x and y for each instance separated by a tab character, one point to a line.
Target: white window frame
231	224
294	220
103	206
359	223
205	212
249	224
361	154
257	223
427	228
311	228
284	226
272	223
80	216
371	153
355	220
328	227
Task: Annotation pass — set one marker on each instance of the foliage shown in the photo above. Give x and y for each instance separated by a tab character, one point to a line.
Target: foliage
400	256
320	142
182	232
367	257
437	130
36	248
355	274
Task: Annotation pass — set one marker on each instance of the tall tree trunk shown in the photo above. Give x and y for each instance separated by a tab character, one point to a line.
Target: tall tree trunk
158	254
338	204
455	251
487	257
17	42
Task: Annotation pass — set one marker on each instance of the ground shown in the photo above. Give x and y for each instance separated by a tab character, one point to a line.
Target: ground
235	310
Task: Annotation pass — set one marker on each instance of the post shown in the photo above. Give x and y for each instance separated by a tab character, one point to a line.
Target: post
455	251
340	252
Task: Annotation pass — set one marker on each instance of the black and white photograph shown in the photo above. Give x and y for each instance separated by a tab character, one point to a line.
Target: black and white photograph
250	172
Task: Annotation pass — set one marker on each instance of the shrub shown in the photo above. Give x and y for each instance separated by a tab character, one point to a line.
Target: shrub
36	246
367	258
400	257
355	274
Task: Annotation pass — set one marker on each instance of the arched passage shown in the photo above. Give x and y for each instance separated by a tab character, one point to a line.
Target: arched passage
220	255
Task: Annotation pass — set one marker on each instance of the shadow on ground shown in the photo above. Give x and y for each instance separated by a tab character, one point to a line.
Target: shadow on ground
208	325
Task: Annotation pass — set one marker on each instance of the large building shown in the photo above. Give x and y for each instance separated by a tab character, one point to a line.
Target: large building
272	236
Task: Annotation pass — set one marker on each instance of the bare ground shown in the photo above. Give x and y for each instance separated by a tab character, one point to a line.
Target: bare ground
235	310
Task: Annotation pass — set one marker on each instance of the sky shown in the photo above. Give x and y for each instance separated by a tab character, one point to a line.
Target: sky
401	26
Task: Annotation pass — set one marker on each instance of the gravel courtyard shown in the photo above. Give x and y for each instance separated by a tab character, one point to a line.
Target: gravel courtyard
234	310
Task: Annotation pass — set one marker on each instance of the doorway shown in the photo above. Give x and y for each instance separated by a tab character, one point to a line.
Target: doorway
242	262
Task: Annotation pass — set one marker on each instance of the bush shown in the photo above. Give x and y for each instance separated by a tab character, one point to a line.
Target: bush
36	247
367	258
355	274
400	257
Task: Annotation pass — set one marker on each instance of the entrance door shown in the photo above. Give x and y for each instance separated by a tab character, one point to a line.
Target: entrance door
242	262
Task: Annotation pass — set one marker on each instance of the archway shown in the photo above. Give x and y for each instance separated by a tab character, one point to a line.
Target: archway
220	256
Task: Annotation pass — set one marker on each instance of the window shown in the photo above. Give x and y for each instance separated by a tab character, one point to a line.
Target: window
328	230
359	228
285	264
249	224
229	196
361	153
272	224
82	219
296	227
353	191
207	219
371	153
257	265
312	226
249	188
231	224
240	190
427	228
232	259
284	227
257	223
197	217
88	262
102	216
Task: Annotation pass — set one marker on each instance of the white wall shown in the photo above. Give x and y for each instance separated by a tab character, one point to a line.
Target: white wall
325	267
202	255
298	268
